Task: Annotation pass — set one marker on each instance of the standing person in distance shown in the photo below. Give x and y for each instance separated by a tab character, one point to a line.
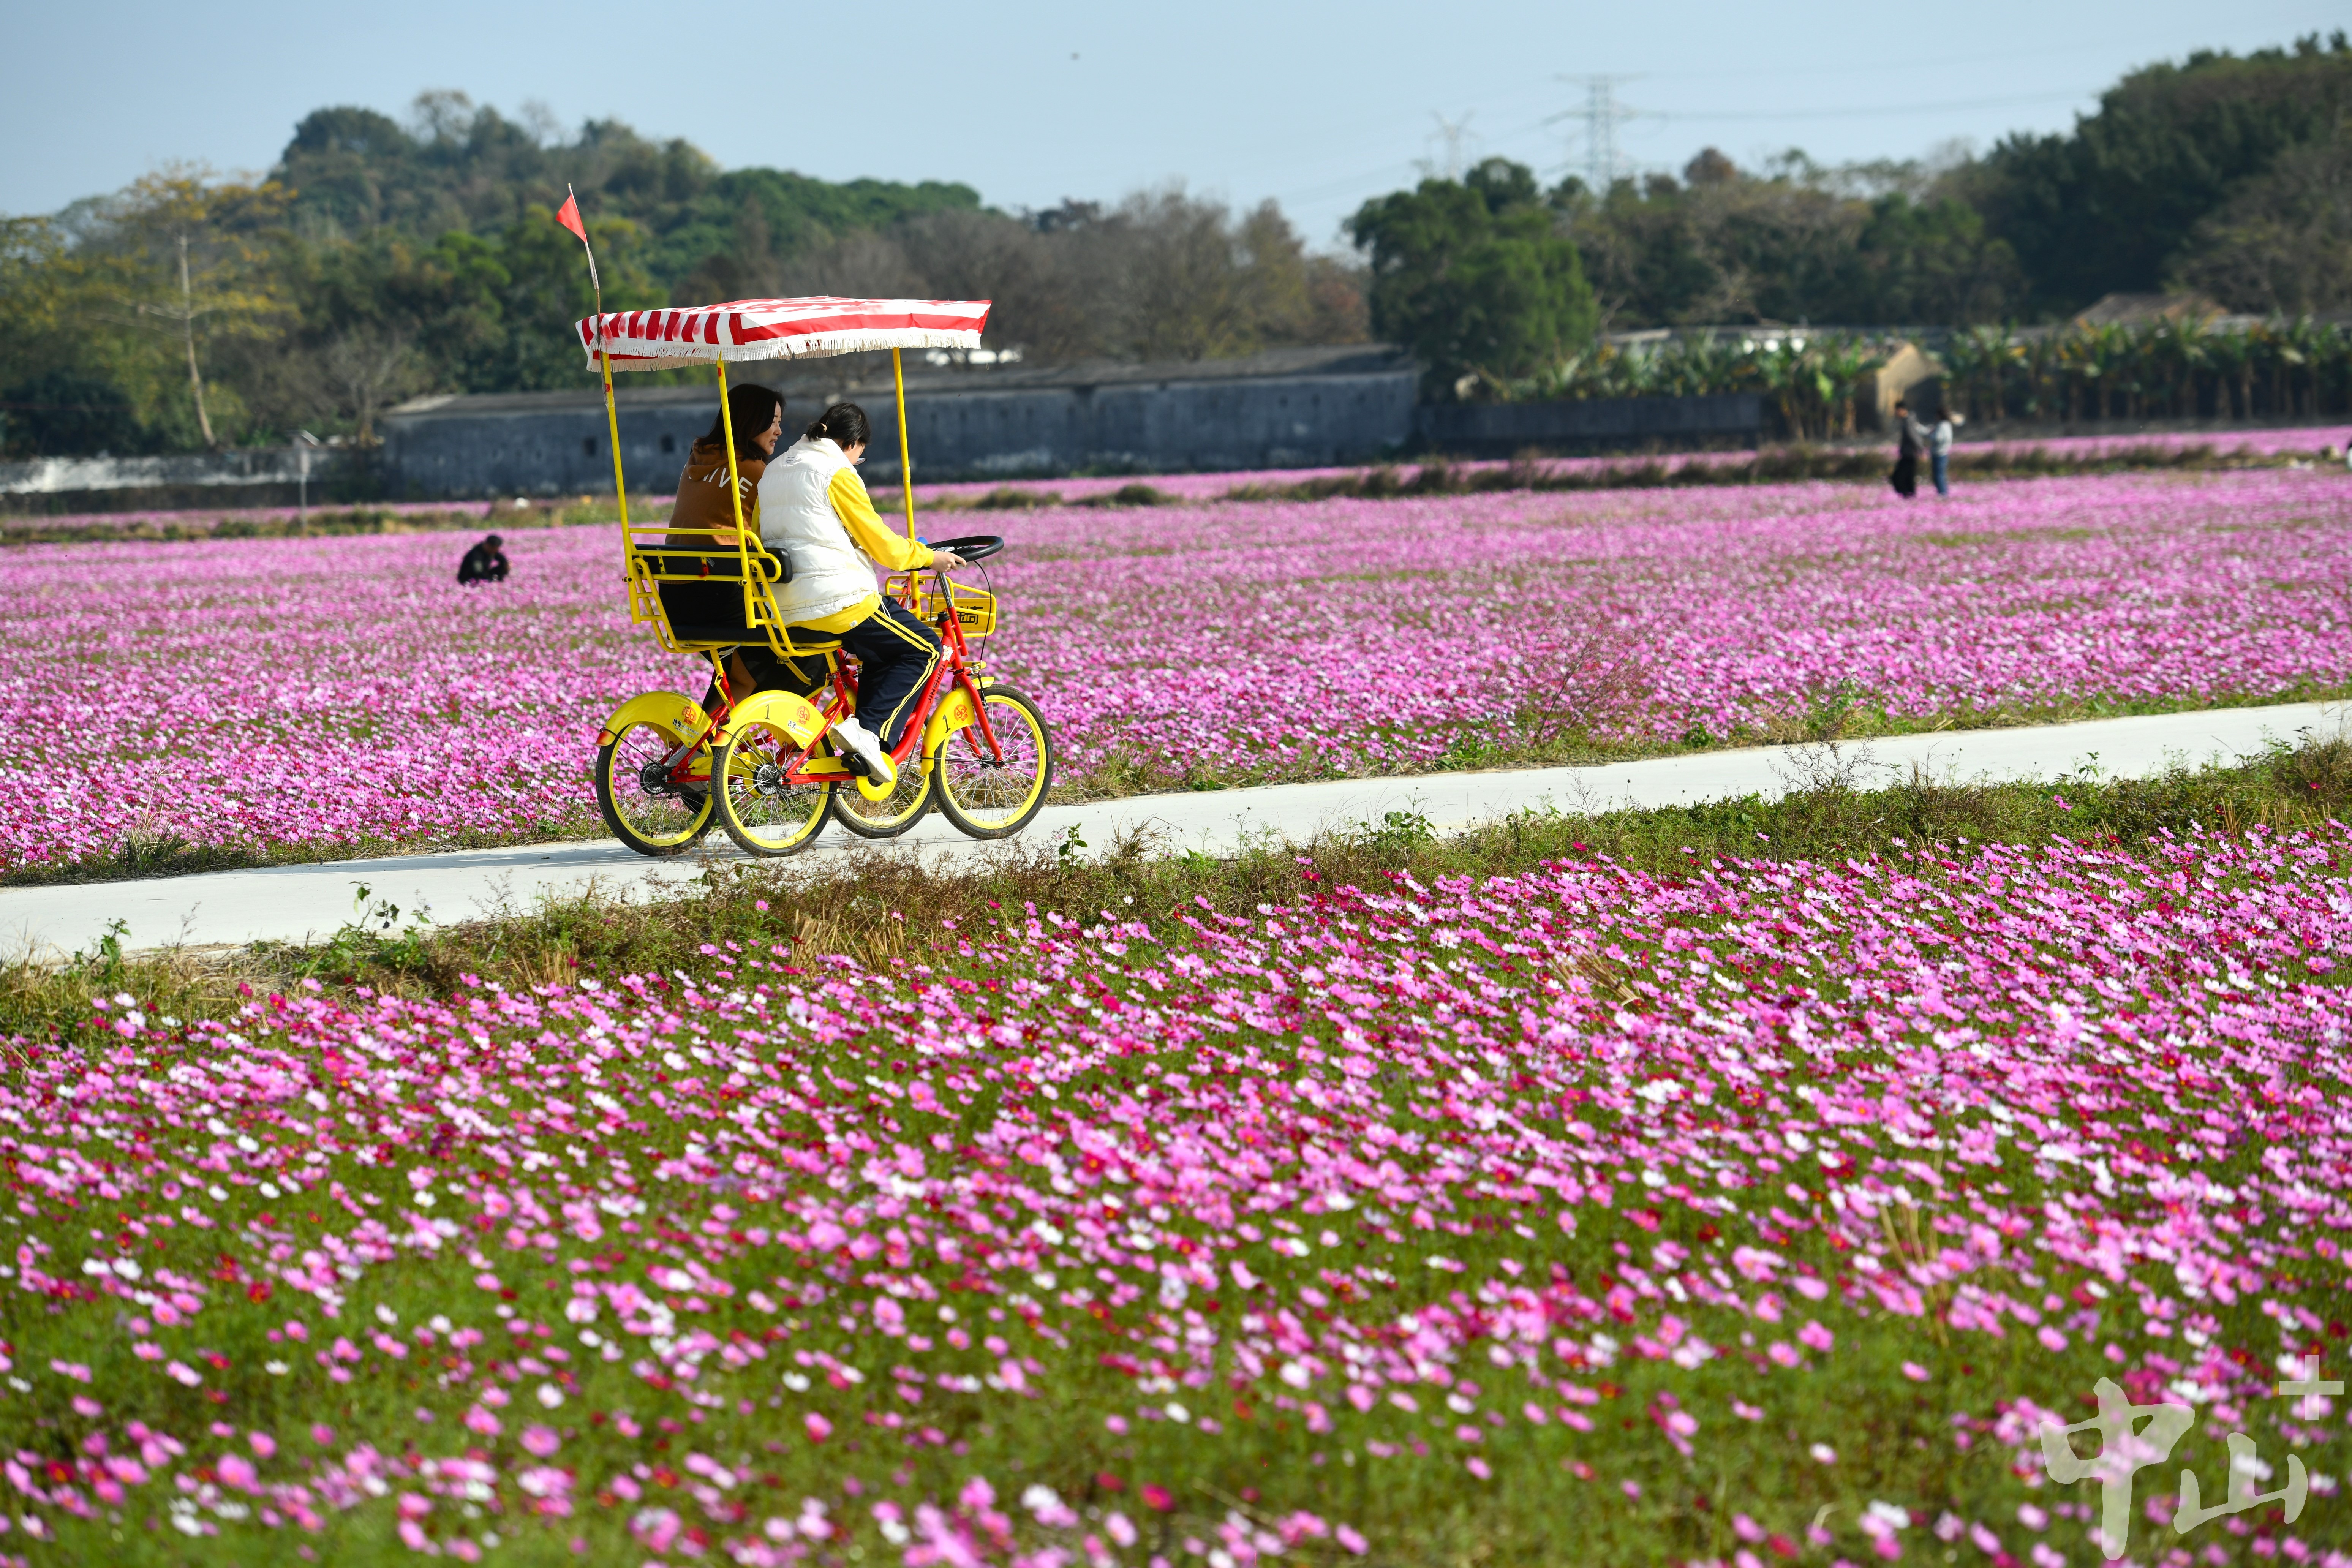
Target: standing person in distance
1940	449
1910	440
486	563
817	512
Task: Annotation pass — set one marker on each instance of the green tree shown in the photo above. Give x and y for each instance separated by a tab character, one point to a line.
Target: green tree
1474	277
2282	244
1930	262
545	293
2107	206
1794	243
381	318
457	165
192	258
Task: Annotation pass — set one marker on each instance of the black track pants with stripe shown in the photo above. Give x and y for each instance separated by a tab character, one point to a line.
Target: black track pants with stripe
895	654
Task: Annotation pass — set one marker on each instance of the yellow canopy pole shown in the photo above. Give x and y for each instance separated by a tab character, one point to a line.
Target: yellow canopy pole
613	427
906	473
735	492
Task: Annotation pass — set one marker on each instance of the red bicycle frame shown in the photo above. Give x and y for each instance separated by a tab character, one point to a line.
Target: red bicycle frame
953	671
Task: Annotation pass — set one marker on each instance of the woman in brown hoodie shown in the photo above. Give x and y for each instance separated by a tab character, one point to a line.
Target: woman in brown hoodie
704	517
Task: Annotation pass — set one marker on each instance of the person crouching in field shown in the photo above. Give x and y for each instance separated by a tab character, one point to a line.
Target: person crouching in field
704	518
486	563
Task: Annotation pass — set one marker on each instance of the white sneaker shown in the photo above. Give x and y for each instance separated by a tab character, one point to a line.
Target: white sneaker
861	740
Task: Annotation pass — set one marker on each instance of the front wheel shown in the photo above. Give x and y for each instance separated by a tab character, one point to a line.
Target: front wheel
995	795
760	808
894	813
644	809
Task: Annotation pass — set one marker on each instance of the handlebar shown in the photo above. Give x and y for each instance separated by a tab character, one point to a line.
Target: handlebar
976	547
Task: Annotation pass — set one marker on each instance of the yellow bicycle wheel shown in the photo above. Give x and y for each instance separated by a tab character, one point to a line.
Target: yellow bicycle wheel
762	810
894	813
995	795
645	810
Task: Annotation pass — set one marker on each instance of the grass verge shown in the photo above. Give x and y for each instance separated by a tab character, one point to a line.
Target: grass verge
883	908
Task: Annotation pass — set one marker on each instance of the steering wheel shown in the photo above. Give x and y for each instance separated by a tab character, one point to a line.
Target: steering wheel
978	547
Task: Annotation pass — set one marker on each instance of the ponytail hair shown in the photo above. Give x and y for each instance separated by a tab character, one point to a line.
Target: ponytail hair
845	425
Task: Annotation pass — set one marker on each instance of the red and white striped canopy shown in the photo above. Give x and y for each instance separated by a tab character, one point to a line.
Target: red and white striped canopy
780	329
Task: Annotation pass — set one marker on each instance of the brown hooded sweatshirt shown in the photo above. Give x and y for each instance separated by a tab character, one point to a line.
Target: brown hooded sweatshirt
702	498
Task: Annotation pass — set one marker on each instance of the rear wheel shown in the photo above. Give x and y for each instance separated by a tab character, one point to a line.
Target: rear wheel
894	813
762	810
643	808
995	795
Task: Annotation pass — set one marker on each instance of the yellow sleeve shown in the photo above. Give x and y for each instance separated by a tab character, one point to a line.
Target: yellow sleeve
892	551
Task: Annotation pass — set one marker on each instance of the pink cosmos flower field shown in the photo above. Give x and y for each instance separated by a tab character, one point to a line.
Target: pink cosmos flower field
2311	444
319	695
1762	1214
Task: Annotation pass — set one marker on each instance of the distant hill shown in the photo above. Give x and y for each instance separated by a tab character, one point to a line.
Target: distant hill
469	168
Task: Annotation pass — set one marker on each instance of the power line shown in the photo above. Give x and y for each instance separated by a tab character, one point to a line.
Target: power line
1947	107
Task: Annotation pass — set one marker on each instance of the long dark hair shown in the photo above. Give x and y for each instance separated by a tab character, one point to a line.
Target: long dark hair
845	425
753	408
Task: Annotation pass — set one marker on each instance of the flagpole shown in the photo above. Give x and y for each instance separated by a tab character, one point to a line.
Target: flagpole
604	360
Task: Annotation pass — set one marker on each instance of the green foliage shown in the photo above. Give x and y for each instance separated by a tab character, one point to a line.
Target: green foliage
2107	206
2177	369
1474	277
2224	172
1792	243
2282	244
399	259
1812	379
377	262
468	168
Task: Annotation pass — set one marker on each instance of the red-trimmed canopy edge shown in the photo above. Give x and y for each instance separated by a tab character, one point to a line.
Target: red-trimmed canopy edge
780	329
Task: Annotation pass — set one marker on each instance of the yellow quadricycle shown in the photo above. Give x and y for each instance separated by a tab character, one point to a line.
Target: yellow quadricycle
763	765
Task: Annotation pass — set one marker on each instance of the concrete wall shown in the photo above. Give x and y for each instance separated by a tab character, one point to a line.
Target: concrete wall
535	445
1153	427
1289	408
1302	409
257	477
1616	424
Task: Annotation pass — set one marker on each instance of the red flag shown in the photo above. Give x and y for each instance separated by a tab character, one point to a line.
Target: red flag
568	215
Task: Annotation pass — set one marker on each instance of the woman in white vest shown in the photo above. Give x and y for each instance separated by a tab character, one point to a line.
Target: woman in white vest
815	513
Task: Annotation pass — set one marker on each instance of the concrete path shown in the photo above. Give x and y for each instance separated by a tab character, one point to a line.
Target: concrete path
290	903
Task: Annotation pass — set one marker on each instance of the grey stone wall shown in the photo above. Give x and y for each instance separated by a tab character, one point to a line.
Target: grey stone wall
1599	425
1295	408
256	477
1291	408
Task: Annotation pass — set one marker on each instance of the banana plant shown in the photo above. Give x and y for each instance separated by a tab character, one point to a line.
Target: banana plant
1846	362
2043	361
1978	359
2230	353
2306	345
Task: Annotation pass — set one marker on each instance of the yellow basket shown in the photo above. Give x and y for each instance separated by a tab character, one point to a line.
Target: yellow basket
973	609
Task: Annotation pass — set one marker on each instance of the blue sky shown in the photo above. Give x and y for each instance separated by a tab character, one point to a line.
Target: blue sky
1318	106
